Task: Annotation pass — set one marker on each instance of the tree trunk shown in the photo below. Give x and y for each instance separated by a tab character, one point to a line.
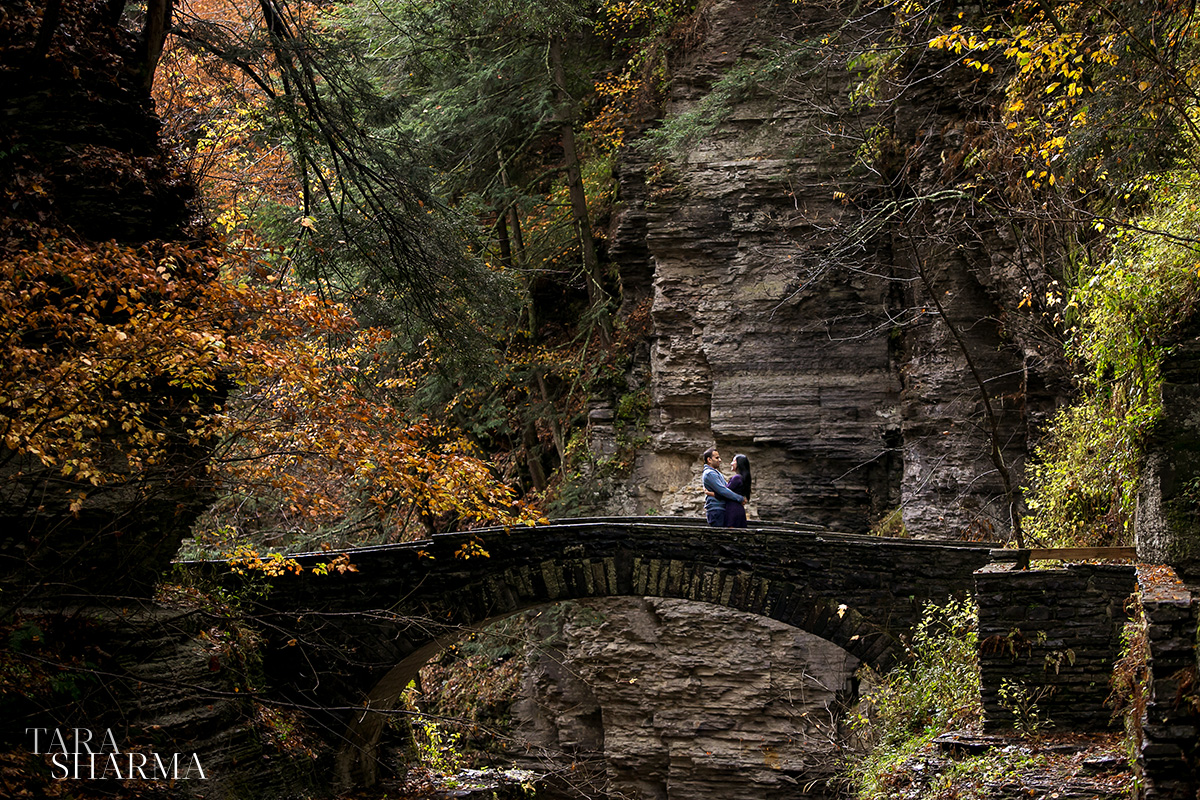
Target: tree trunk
510	210
552	418
46	30
114	10
154	36
537	475
506	257
579	208
518	248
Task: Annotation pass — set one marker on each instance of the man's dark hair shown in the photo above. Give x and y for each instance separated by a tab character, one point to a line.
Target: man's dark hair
708	454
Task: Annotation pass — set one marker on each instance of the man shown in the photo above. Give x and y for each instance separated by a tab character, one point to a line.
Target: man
714	483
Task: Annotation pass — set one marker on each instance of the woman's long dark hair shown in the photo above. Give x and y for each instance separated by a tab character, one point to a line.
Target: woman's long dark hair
742	465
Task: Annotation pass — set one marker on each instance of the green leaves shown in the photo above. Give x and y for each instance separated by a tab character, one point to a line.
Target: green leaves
936	690
1125	311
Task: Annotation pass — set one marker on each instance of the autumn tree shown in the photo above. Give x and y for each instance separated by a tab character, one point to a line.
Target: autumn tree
108	363
366	219
128	322
147	355
1100	119
348	463
522	133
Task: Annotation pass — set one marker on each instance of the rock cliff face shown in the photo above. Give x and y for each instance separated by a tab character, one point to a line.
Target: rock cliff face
790	319
82	161
1168	510
689	701
798	317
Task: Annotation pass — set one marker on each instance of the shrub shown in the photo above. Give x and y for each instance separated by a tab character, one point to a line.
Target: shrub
935	691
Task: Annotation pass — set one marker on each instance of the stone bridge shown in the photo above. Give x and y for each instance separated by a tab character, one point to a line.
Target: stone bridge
351	642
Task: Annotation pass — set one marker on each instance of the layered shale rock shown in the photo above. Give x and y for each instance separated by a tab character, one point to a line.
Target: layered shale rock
689	700
798	317
166	681
1168	513
790	319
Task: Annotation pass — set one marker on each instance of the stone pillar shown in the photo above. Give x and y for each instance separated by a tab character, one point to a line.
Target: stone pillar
1053	634
1167	524
1168	757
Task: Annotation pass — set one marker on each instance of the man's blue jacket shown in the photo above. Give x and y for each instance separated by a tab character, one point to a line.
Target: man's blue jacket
715	482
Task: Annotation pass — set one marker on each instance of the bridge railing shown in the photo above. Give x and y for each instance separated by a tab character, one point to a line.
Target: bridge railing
1023	557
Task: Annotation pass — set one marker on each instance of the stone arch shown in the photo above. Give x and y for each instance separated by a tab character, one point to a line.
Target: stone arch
858	592
355	762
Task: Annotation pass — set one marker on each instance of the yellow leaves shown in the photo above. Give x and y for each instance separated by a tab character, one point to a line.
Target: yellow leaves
218	117
340	564
1075	79
471	549
245	560
95	345
954	41
619	95
76	504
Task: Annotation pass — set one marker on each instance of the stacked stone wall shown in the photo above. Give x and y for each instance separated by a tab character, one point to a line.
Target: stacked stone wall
1169	757
1054	635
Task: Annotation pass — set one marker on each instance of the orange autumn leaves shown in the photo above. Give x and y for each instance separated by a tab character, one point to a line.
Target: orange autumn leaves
313	442
317	435
116	356
219	116
101	343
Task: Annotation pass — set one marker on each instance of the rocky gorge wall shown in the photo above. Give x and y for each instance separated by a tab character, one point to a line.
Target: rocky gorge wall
688	700
792	321
789	324
83	162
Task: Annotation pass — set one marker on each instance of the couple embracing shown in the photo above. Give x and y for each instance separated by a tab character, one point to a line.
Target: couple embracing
725	501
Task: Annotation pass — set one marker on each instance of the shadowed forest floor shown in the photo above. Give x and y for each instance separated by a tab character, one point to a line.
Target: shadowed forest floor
956	766
1050	766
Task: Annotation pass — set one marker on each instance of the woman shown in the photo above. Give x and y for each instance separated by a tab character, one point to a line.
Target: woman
739	481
